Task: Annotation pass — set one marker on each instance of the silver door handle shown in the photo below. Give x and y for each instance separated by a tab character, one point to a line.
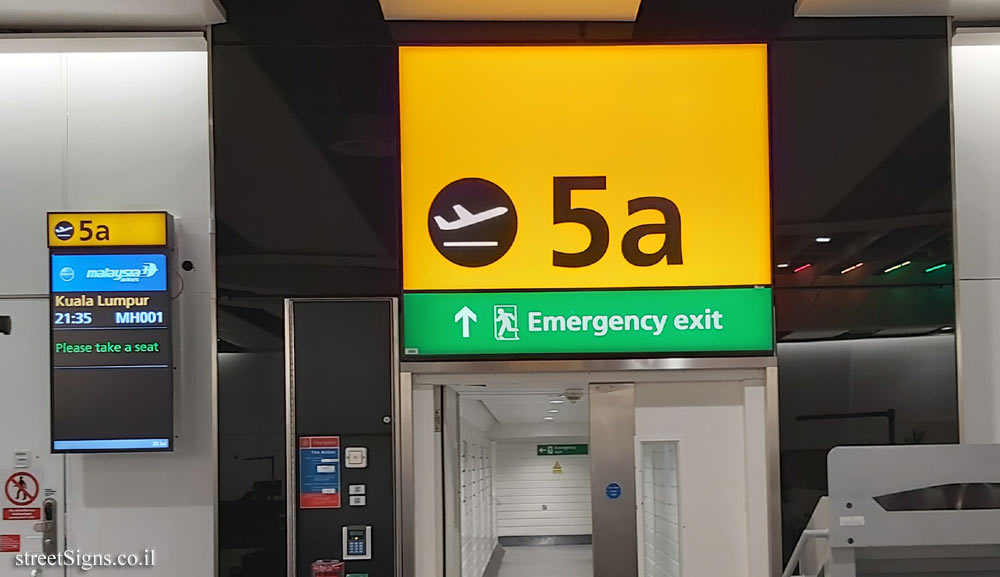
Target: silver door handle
49	528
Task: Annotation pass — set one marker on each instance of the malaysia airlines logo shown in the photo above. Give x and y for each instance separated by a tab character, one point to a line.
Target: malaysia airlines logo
125	275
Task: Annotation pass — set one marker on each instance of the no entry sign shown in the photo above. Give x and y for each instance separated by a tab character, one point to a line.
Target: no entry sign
21	489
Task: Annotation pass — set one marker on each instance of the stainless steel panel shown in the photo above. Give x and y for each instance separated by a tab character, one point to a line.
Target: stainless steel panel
585	365
402	397
773	467
612	461
452	463
290	445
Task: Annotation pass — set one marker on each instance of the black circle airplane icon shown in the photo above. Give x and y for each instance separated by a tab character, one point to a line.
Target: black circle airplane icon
472	222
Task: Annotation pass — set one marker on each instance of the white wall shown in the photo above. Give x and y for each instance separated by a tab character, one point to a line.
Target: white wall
707	421
554	432
479	536
660	509
976	110
91	130
533	500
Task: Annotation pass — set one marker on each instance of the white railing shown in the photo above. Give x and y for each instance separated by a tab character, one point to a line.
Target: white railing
812	551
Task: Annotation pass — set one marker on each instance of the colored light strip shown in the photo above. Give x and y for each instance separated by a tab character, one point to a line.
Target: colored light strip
896	267
111	444
802	268
936	267
850	268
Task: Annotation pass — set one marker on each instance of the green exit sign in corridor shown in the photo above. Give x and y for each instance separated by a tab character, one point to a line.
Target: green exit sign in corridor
562	450
594	322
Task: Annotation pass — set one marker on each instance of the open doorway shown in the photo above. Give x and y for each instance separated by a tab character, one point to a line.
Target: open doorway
610	474
523	465
540	435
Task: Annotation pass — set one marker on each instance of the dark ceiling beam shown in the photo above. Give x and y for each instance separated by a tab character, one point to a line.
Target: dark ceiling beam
317	260
819	228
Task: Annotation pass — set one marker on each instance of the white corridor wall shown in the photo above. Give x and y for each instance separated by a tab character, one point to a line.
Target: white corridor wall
533	499
476	458
119	124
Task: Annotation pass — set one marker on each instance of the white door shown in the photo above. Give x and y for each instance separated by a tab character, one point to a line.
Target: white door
33	97
33	478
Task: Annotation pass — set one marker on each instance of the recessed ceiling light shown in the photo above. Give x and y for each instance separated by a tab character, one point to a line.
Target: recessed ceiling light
852	268
552	411
550	418
783	265
896	267
557	401
823	239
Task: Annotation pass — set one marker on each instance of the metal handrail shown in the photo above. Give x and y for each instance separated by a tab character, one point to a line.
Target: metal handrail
804	538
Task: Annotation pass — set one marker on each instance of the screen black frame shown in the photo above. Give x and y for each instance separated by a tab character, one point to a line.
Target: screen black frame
168	253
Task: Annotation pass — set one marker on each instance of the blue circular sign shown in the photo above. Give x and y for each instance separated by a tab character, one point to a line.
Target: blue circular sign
613	491
67	274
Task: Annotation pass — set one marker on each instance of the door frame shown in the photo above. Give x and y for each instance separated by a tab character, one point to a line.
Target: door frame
617	370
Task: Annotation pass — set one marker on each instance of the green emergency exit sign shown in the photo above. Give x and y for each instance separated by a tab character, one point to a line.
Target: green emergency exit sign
562	450
592	322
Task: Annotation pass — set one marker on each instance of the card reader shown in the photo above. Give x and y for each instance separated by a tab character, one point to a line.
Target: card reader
357	542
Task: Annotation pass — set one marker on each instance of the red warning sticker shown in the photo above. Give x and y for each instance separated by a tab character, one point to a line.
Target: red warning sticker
25	514
21	489
10	543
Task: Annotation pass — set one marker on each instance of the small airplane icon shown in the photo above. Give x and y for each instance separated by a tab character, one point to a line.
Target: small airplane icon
64	229
467	219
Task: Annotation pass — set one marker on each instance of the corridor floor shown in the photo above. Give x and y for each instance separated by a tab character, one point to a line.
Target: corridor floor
551	561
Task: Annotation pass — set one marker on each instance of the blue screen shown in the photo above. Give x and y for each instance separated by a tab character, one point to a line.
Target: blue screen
109	272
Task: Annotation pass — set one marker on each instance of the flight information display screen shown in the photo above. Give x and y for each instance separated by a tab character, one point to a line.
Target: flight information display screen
112	369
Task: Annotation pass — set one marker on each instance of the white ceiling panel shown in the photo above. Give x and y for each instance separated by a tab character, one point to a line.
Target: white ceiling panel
512	10
963	10
110	14
530	407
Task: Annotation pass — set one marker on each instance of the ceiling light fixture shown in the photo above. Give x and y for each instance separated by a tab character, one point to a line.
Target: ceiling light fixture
936	267
783	265
556	401
802	268
947	328
850	268
552	411
896	267
550	418
823	239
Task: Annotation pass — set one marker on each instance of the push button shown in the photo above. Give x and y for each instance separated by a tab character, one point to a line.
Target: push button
356	457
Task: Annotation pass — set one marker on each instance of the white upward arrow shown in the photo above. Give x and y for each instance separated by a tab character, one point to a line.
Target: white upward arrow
465	315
